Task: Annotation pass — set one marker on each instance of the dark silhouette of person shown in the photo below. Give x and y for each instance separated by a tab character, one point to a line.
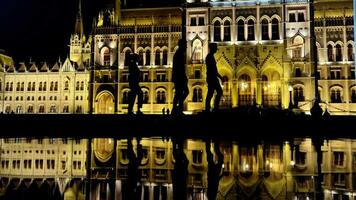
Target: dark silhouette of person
134	173
180	171
179	78
212	78
134	80
214	169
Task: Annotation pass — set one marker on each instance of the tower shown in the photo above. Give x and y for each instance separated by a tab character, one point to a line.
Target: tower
79	47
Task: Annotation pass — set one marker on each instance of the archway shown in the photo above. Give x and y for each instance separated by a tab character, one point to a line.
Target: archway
105	103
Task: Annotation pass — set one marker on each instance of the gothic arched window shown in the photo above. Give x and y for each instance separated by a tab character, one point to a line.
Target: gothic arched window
350	52
217	31
275	29
148	57
140	55
158	57
241	30
250	30
298	94
161	97
197	56
330	53
265	35
145	97
165	57
125	97
338	52
227	31
106	56
335	95
197	95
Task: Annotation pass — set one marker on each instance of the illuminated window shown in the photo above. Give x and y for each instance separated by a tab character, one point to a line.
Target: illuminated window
275	29
165	57
161	97
338	52
53	109
158	57
353	96
265	35
19	109
217	31
125	97
160	153
240	30
350	53
227	31
330	53
335	96
250	30
106	56
66	85
197	156
197	95
292	17
145	97
197	56
339	159
140	60
298	94
301	17
148	57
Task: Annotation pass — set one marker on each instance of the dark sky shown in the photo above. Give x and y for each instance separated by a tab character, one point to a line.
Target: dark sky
41	28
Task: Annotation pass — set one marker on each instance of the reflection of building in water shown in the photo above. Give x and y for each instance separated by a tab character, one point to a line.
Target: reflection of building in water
264	56
250	172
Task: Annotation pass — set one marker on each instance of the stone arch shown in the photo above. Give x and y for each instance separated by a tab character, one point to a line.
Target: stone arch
105	101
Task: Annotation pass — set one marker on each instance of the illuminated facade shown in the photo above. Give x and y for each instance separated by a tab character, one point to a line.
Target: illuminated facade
264	56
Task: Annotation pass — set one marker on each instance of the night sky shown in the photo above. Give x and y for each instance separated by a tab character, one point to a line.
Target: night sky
41	29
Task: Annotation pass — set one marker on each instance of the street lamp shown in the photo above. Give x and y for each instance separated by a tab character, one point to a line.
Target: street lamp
290	89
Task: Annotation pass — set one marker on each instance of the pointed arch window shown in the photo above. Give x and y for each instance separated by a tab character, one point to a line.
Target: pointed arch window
338	52
350	52
145	97
161	97
298	94
158	57
330	53
66	85
56	86
33	86
217	31
165	57
140	55
106	56
250	30
197	56
275	29
227	31
148	57
241	30
125	97
265	35
335	95
197	95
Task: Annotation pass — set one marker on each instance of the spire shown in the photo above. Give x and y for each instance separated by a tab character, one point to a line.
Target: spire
79	21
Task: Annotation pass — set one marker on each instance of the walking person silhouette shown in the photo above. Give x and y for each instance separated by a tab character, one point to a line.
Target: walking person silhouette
134	80
179	78
212	78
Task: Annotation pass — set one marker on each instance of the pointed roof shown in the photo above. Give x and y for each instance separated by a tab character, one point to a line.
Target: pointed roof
22	67
33	68
67	66
55	67
44	67
11	69
79	21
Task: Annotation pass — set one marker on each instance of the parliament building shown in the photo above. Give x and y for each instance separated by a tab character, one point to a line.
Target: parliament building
266	58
